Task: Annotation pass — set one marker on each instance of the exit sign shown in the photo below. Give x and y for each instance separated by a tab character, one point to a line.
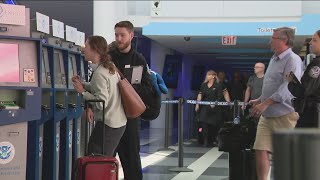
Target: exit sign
229	40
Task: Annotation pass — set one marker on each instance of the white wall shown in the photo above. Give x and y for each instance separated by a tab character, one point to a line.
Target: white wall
175	9
105	15
310	7
141	13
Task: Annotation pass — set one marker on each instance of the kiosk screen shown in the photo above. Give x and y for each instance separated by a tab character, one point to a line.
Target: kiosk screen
57	69
9	59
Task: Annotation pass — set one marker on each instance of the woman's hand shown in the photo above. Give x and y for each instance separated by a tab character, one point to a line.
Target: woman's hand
75	78
78	86
197	108
89	115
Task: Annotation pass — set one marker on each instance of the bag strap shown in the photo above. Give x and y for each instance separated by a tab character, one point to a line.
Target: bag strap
103	121
121	75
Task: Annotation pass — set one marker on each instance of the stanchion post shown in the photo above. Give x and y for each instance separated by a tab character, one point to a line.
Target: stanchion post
166	130
180	167
190	120
318	113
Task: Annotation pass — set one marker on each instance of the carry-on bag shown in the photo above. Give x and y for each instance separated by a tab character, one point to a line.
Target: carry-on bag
96	166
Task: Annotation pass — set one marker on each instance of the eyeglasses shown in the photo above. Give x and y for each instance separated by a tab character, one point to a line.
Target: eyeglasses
286	33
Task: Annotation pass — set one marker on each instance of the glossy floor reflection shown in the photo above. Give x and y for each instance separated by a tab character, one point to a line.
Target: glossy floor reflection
206	163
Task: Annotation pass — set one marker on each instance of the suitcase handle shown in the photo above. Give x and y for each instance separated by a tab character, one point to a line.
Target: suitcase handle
87	103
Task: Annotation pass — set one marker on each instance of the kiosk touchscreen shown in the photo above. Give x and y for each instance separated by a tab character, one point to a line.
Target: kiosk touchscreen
73	96
45	84
72	70
82	70
59	74
46	76
60	85
9	69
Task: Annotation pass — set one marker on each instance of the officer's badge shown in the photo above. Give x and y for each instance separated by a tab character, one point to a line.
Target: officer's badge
314	72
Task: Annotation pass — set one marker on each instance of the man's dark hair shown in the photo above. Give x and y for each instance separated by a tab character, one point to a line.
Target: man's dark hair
125	24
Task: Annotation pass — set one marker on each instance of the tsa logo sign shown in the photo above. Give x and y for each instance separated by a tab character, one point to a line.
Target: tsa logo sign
7	152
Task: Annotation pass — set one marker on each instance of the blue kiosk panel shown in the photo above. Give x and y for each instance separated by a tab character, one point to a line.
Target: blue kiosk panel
20	103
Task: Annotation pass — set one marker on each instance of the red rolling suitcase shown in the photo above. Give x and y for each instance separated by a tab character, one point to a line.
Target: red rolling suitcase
96	167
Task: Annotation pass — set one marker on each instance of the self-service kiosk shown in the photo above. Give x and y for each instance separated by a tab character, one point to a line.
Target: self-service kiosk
38	142
20	99
58	101
47	104
60	114
70	127
20	94
75	111
82	66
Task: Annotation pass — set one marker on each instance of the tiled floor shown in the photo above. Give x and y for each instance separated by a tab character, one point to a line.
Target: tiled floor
206	163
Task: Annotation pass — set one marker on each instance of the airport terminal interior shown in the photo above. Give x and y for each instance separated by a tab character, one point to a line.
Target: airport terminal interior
42	127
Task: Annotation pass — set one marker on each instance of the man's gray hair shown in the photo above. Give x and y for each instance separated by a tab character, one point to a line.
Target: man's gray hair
286	33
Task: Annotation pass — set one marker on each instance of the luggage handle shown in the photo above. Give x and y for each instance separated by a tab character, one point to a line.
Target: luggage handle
103	121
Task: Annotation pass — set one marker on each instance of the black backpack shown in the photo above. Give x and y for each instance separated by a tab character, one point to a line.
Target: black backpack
153	105
150	97
146	90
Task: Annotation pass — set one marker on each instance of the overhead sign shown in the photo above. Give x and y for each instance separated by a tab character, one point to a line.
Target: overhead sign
43	24
270	30
12	15
80	39
71	34
57	29
229	40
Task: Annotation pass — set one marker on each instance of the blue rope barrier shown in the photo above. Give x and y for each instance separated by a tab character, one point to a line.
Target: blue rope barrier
170	101
217	103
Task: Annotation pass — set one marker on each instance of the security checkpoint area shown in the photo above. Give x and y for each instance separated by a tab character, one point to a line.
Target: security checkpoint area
44	129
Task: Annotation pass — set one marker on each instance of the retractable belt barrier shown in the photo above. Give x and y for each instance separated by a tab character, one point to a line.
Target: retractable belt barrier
180	103
170	102
216	103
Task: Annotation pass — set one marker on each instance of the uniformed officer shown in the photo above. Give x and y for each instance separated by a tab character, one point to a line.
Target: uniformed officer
307	93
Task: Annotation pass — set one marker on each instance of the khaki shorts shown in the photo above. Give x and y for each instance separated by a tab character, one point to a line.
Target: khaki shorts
267	125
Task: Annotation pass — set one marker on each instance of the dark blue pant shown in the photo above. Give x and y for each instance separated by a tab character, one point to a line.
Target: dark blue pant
129	149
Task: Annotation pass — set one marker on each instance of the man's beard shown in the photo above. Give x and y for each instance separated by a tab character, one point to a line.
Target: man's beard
125	45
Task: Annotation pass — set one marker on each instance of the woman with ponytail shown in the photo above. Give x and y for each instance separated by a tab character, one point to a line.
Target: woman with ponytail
103	86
